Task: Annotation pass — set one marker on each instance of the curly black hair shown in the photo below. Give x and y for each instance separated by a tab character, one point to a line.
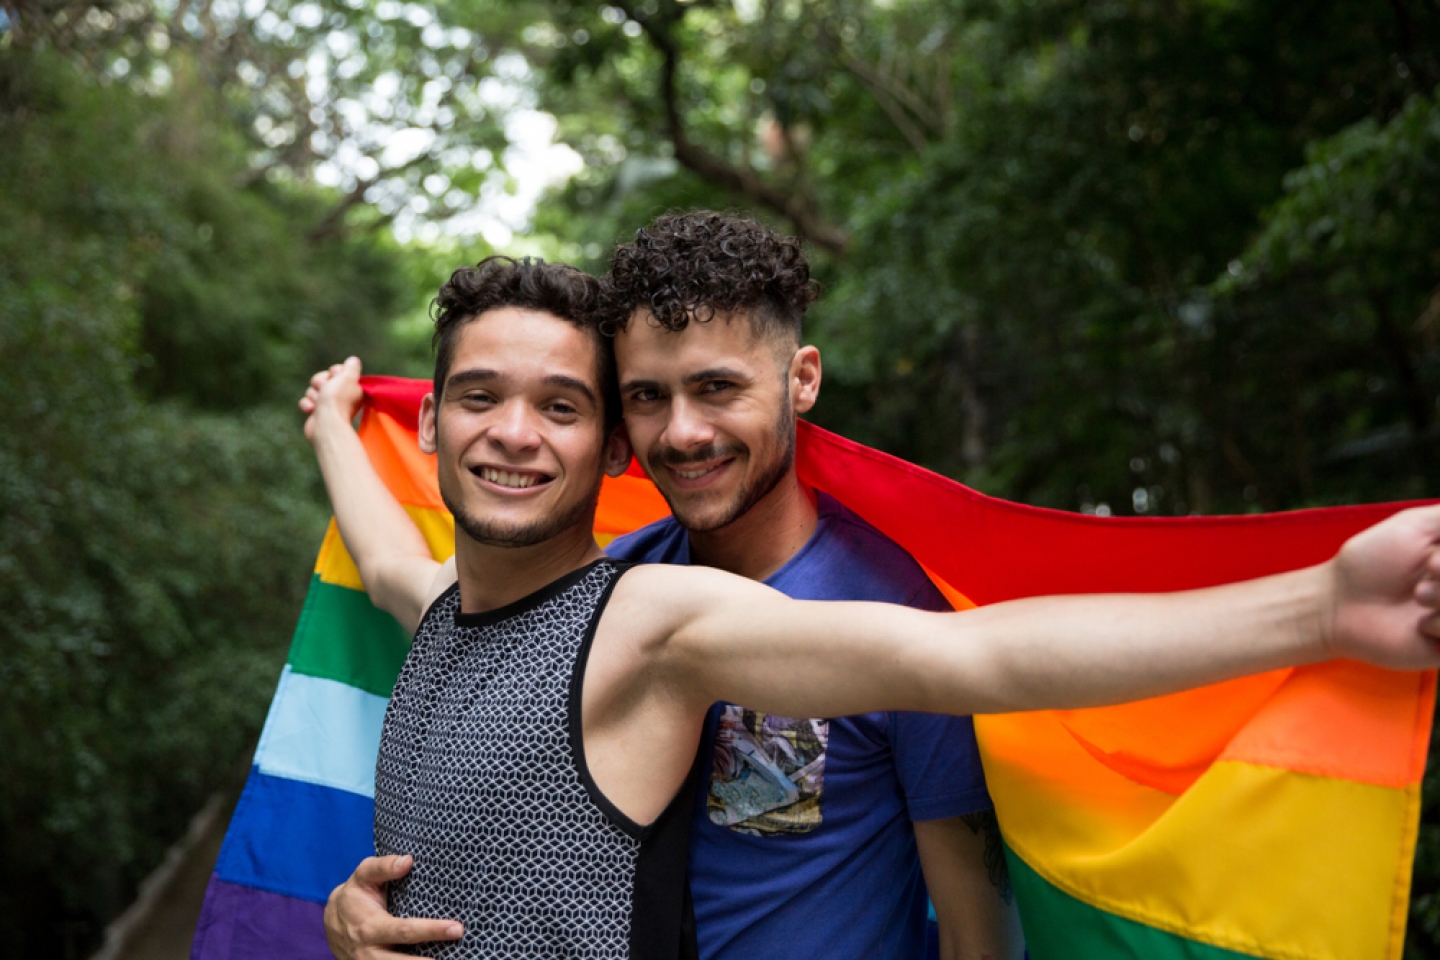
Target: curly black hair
531	283
692	266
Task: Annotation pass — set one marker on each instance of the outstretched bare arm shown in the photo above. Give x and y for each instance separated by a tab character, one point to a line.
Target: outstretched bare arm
739	641
391	554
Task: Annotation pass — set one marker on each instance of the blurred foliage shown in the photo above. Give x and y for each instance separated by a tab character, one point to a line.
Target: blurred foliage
1042	225
403	113
1150	257
158	315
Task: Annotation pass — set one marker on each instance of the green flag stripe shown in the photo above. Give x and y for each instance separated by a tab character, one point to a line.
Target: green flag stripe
1060	927
343	636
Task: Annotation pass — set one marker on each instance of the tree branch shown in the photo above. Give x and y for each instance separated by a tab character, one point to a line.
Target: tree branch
897	116
889	91
333	222
794	206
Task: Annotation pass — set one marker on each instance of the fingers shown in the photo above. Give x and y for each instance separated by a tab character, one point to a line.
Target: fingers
351	365
1427	590
1426	518
390	930
357	925
377	870
312	393
349	370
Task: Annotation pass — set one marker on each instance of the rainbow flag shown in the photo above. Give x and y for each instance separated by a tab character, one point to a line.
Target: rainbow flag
1273	816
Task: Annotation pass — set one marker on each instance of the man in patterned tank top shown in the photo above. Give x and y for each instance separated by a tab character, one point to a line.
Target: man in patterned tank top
544	729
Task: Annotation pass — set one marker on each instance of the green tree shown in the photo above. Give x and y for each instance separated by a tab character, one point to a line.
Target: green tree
158	313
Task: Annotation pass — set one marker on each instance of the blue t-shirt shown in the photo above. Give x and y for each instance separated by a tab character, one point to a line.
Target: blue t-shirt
802	844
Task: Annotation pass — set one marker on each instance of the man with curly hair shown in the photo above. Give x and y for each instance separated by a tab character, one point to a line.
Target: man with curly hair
814	837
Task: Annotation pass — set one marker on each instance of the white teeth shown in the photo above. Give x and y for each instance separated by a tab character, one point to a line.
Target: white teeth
507	479
692	476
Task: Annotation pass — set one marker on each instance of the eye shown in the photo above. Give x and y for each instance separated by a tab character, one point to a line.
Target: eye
645	395
477	398
564	408
716	386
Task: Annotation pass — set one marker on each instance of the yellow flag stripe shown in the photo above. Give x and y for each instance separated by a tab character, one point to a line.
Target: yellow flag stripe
1256	859
335	566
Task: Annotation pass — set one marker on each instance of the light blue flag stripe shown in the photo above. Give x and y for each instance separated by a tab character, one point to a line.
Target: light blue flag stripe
322	732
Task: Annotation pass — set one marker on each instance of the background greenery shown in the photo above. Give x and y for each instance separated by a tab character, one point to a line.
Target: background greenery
1126	257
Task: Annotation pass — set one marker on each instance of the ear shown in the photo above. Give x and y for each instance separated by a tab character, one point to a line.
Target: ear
805	378
426	426
615	458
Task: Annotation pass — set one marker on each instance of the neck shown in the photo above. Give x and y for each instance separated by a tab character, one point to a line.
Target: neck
491	577
766	537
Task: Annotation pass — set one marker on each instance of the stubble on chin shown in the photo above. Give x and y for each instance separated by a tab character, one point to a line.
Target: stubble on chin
752	491
512	535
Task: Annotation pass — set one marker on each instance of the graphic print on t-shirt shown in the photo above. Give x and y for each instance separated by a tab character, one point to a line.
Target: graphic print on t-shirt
768	772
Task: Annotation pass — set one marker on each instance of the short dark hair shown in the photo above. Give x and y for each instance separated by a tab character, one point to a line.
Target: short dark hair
692	266
530	283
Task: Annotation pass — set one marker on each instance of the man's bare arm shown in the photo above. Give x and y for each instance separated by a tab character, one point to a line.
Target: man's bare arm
963	860
401	578
731	639
395	564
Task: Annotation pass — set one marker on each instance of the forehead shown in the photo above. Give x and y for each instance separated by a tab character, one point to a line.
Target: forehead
645	349
522	343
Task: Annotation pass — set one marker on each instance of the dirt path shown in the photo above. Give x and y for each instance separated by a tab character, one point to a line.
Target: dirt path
161	924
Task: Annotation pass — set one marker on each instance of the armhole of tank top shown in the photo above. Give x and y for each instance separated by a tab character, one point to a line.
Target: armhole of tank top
577	732
576	727
434	606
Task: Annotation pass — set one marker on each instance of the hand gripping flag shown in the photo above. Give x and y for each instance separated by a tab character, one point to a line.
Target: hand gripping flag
1273	816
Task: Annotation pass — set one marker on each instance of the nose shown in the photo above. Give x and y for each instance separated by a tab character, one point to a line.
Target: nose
514	428
687	427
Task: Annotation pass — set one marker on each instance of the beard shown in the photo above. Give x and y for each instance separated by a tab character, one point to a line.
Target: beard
751	491
499	534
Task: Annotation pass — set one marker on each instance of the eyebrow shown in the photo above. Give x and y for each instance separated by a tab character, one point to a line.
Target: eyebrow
482	375
571	383
476	375
710	373
717	373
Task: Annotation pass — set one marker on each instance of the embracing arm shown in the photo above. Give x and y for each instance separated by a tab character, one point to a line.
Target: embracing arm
734	640
357	926
963	860
394	561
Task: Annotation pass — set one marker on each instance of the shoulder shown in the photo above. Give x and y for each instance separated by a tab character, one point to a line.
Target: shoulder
859	536
654	543
445	581
441	609
652	601
851	560
663	587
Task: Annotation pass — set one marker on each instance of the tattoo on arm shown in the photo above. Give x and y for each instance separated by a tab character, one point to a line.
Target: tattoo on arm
994	857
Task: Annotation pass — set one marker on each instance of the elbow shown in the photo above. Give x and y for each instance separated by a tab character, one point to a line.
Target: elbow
957	675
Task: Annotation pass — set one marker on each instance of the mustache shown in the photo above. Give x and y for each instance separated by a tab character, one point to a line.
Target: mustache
671	457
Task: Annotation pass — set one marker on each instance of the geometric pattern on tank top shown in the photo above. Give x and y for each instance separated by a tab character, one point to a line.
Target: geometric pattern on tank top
476	778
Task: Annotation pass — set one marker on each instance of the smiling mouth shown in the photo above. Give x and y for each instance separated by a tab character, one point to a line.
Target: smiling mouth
696	471
513	479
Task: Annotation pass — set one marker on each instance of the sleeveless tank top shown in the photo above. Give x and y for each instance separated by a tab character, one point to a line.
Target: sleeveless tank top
481	777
